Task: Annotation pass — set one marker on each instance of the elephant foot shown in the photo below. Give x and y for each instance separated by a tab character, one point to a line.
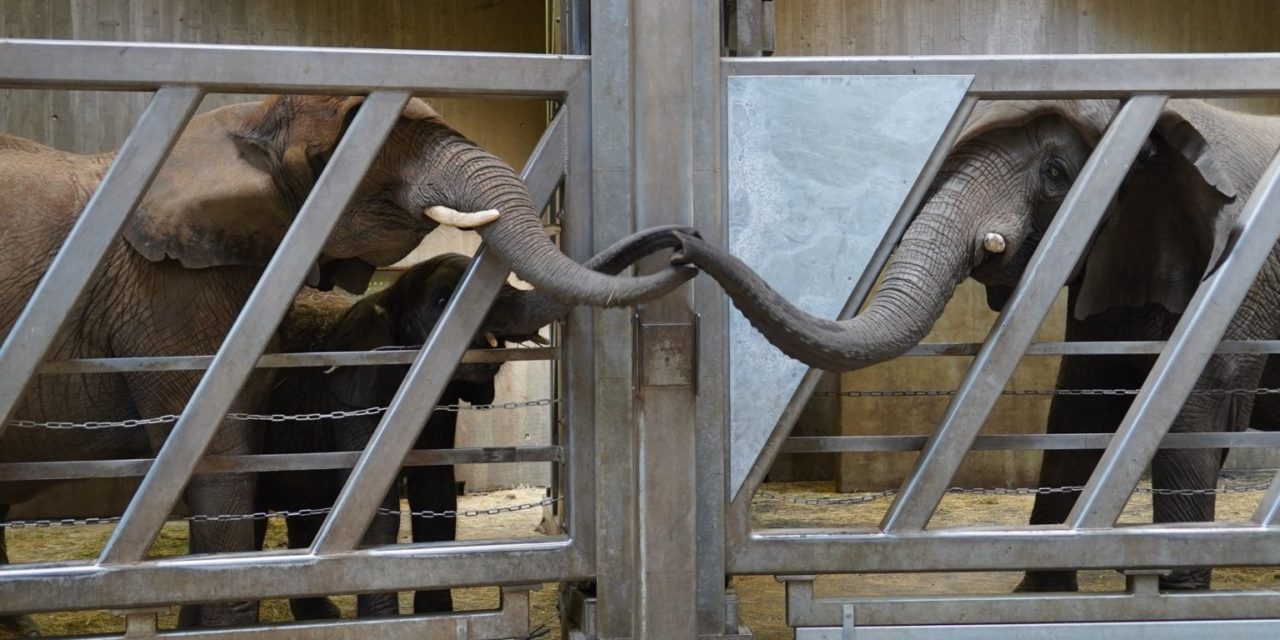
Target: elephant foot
433	601
218	615
1045	581
377	604
19	626
1187	580
313	609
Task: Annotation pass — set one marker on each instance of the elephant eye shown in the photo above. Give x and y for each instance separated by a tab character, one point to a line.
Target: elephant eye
1056	179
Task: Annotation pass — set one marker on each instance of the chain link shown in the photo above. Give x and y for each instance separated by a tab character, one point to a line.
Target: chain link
930	393
1015	491
264	515
267	417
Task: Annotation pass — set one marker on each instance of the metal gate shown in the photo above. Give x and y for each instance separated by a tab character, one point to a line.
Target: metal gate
651	515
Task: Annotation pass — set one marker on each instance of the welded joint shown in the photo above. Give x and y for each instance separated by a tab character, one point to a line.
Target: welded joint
1144	582
848	623
799	597
140	623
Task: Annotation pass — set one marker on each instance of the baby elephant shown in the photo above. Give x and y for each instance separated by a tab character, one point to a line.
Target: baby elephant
402	314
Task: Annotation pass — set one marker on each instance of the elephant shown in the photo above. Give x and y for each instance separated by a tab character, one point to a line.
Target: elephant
191	253
1168	226
403	313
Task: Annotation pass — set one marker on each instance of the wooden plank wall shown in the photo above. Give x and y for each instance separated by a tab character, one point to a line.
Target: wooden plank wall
888	27
91	121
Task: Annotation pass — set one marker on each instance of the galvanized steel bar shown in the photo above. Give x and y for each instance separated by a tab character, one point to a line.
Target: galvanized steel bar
280	574
83	469
1165	630
1179	367
665	603
1162	546
1019	442
1045	274
287	360
1268	512
1054	76
1117	348
862	289
135	66
181	452
93	235
379	464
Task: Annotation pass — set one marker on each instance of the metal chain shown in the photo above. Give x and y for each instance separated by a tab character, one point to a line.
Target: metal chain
264	515
929	393
266	417
1016	491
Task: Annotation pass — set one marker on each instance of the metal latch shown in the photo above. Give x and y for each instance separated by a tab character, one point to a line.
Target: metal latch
667	353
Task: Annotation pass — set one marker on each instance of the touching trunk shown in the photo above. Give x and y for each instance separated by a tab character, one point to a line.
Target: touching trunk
518	238
519	313
934	256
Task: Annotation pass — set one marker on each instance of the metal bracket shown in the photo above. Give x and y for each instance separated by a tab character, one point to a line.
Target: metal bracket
140	623
749	28
1144	582
667	353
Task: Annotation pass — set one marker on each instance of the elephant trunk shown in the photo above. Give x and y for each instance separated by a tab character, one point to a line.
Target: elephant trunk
522	313
933	257
486	182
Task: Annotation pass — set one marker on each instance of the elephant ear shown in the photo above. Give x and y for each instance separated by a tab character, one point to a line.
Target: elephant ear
1167	228
235	179
365	326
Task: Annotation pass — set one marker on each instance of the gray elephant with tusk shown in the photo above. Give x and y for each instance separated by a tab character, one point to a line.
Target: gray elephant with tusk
196	246
992	201
404	313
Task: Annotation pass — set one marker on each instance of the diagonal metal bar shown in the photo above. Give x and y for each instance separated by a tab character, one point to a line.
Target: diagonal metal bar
1180	365
1268	511
1047	271
249	335
741	497
135	165
418	394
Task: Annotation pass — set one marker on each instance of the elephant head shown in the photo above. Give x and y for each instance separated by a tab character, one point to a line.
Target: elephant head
239	174
989	207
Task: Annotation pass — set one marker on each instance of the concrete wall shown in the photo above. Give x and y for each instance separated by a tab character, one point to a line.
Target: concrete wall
887	27
94	121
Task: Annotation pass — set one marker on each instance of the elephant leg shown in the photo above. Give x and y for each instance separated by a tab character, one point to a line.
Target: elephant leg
1183	469
1077	414
19	625
433	489
301	530
382	531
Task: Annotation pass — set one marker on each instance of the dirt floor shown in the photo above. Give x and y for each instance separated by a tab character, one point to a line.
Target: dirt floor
762	606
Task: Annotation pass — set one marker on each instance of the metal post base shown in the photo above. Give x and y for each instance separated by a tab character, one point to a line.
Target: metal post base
1132	613
578	617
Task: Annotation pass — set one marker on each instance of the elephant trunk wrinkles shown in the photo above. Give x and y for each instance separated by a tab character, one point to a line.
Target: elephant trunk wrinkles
933	257
518	238
519	313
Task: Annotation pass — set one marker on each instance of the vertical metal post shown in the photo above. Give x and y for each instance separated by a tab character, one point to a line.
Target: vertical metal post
665	417
93	235
711	305
611	205
257	322
1184	357
1047	271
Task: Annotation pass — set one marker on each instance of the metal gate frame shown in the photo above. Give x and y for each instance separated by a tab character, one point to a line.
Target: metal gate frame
644	137
180	75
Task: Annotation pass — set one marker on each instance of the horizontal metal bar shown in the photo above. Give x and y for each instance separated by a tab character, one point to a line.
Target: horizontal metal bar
511	621
137	66
1012	608
1167	630
1019	441
1053	76
83	469
777	551
284	573
1137	347
288	360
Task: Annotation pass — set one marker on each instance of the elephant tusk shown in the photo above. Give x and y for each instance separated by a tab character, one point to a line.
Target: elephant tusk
993	242
491	339
461	219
